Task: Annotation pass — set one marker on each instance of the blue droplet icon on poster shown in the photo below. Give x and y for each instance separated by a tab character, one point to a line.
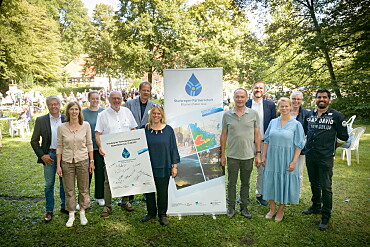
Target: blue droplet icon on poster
125	153
193	86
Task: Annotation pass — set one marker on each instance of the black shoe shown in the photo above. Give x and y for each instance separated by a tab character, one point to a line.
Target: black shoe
230	212
147	218
64	211
261	201
163	220
324	224
311	210
246	213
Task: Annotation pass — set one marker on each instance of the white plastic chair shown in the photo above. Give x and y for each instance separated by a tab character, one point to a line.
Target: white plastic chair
357	132
350	121
19	127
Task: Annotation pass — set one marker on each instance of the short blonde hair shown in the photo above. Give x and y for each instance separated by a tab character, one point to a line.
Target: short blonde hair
284	99
160	109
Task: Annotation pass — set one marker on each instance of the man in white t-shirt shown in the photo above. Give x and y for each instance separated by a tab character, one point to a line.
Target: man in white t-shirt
266	112
114	119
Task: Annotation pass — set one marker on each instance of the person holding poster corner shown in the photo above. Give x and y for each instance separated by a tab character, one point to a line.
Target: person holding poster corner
164	158
114	119
241	131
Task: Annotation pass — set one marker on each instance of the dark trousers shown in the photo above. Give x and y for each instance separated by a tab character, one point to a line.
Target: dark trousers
99	175
233	167
320	173
161	204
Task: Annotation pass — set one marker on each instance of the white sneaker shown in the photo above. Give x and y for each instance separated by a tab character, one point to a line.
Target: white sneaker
101	202
70	221
78	206
83	218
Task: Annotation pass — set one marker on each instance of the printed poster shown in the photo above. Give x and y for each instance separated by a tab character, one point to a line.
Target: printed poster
128	163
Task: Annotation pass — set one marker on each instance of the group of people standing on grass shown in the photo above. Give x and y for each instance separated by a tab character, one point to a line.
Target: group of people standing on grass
278	147
71	147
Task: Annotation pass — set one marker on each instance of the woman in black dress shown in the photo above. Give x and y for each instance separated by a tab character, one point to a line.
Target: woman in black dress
164	158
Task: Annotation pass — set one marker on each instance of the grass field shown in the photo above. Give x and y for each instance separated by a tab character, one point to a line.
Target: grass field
22	212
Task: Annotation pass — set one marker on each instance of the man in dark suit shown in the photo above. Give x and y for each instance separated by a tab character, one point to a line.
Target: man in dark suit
266	111
141	105
46	127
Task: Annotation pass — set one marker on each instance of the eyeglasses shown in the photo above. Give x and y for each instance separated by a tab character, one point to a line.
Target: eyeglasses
116	98
157	105
54	104
296	99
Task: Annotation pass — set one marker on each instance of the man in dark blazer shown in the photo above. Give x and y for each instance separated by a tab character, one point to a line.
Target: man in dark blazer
46	127
141	105
266	111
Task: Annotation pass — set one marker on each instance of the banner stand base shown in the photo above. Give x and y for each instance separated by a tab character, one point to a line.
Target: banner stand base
213	216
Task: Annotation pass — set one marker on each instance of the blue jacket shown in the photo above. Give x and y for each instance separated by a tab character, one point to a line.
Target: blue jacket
269	112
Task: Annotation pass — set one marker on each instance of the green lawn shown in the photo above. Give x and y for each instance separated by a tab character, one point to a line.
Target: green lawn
22	211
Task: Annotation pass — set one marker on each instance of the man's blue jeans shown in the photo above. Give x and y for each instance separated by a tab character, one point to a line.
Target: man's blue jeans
49	175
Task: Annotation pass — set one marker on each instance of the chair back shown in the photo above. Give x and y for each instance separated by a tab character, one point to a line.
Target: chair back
350	121
357	132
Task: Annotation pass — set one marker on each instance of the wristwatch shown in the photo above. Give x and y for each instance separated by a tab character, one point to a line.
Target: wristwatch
258	152
92	161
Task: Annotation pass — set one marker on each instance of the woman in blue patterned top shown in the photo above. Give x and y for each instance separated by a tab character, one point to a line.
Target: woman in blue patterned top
283	141
164	158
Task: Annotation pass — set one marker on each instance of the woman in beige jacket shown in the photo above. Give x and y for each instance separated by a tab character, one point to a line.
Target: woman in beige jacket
75	159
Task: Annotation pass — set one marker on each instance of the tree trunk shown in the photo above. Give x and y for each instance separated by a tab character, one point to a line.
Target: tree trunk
110	83
324	50
150	75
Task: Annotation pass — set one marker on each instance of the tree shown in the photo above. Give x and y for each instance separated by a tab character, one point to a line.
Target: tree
146	35
73	24
100	44
317	40
222	37
29	44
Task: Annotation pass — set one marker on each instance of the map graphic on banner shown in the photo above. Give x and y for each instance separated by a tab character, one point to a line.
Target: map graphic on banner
196	114
199	152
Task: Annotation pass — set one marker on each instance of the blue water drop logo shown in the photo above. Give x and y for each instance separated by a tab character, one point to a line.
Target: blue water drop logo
125	153
193	86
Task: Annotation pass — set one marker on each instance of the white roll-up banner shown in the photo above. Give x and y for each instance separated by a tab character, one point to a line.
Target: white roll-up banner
193	107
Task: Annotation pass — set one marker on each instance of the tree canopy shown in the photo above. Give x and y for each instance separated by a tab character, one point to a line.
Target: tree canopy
304	43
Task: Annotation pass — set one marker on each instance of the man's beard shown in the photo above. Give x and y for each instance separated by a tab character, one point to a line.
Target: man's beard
260	95
322	106
115	108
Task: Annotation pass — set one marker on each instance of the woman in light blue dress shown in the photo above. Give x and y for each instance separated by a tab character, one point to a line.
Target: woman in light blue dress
283	142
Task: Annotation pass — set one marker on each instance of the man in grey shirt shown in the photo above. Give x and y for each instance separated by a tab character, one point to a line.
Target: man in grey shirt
241	131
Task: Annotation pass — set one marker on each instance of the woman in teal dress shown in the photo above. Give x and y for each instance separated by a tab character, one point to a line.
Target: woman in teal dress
283	142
